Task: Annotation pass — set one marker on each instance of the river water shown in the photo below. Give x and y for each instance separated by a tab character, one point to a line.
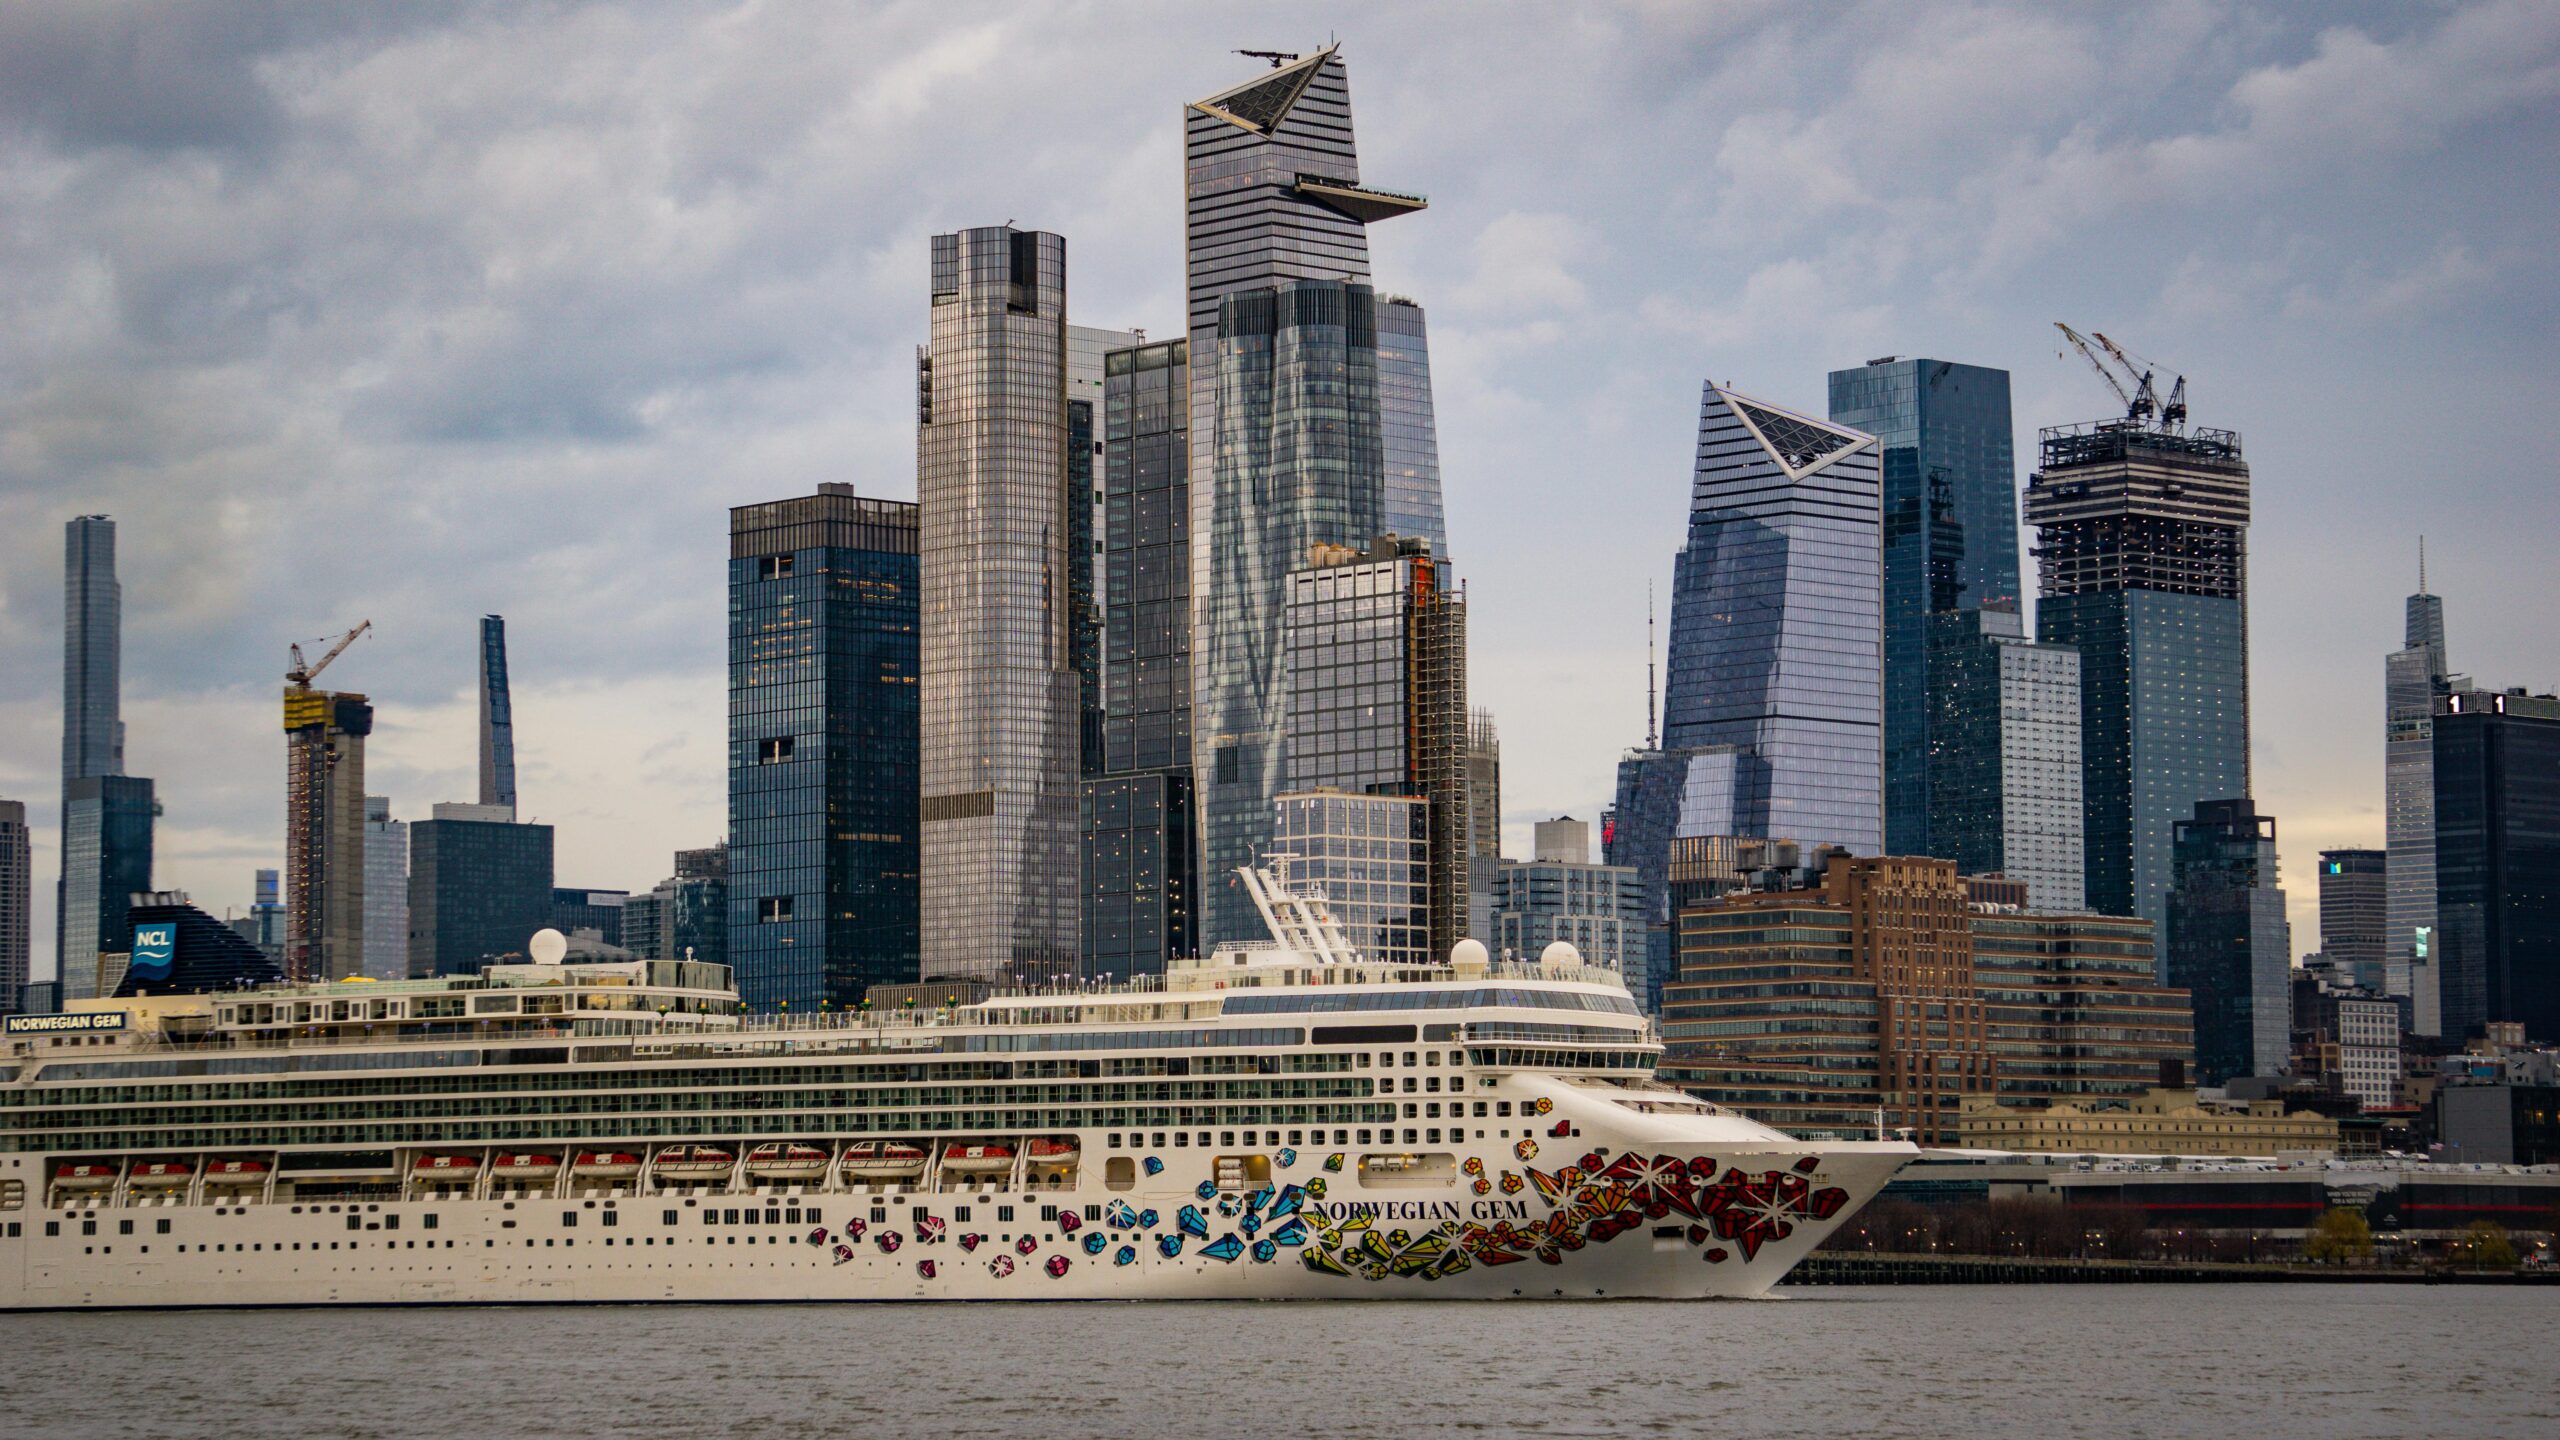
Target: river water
2041	1361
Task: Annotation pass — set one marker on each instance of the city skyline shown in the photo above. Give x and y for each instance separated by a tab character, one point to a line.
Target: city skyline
618	644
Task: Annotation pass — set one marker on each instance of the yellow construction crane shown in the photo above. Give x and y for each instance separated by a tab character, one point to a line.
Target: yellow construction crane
300	674
2135	386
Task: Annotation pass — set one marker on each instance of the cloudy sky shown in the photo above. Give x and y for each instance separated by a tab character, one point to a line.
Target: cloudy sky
412	313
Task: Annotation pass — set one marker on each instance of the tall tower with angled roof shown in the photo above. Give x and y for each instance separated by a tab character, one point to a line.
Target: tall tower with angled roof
1295	415
1777	622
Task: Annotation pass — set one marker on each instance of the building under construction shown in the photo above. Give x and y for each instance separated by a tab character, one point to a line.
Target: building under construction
324	837
2142	563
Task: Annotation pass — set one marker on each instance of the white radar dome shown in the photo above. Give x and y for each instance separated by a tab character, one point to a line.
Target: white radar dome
1560	952
1468	952
547	947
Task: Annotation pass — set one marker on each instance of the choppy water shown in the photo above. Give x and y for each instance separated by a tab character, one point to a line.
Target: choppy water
2042	1361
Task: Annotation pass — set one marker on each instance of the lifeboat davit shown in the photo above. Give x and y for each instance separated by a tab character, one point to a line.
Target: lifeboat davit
236	1172
978	1159
778	1161
1049	1148
604	1165
883	1159
695	1162
524	1167
90	1176
445	1169
161	1175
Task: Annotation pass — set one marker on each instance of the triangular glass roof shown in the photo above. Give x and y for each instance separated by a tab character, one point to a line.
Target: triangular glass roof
1260	104
1800	445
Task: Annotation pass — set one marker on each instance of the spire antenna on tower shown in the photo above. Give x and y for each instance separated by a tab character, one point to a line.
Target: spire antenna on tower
1652	737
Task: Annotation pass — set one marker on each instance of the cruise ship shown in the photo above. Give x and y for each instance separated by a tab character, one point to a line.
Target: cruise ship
1281	1119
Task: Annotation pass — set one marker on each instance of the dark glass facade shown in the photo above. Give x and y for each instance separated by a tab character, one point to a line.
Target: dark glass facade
2229	946
1139	888
1776	622
17	896
2142	546
497	716
1141	845
478	889
1409	431
1297	464
106	859
823	761
2354	910
597	910
1950	542
2497	829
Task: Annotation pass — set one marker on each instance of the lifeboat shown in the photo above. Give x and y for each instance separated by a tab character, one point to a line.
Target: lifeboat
883	1159
695	1162
604	1165
524	1167
444	1170
1048	1148
236	1172
161	1175
778	1161
978	1159
85	1176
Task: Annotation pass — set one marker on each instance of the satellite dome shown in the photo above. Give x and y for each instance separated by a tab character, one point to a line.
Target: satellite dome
1468	952
1560	952
547	947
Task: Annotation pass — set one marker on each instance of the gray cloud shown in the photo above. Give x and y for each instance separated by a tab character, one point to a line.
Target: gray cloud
412	313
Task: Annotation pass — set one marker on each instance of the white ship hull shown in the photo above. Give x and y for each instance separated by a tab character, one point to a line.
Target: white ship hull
1729	1223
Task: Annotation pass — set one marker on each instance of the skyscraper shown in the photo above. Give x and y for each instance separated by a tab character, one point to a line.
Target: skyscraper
1558	894
2496	949
2354	887
386	891
324	832
17	897
2142	544
1001	847
1484	821
107	823
2003	763
92	646
266	913
1409	437
1950	507
2412	678
823	602
479	886
1376	674
2229	946
497	717
1088	360
1367	857
1776	622
1140	840
1286	416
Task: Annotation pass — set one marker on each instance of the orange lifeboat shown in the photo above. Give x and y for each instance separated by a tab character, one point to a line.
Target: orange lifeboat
161	1175
1050	1148
776	1160
695	1162
524	1167
84	1175
883	1159
604	1165
988	1158
236	1172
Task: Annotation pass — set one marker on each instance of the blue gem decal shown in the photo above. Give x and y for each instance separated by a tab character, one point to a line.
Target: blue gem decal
1286	1158
1125	1255
1169	1246
1206	1189
1193	1222
1292	1232
1095	1242
1154	1165
1263	1250
1227	1248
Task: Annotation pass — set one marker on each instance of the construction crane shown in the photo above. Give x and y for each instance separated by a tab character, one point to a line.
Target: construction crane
2134	389
2173	411
300	675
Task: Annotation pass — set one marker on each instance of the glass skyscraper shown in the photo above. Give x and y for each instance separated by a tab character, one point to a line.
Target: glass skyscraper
2228	944
823	748
2497	830
479	886
1409	432
324	832
497	716
2412	677
1285	377
2354	900
1950	543
1365	856
386	891
1140	845
1376	667
92	650
2143	569
17	896
2004	755
107	823
1776	622
1000	697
